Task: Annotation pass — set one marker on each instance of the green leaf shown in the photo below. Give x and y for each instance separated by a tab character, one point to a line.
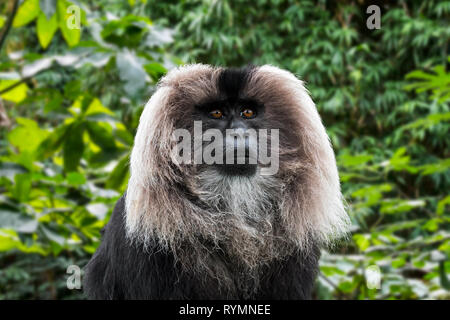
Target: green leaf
76	178
26	13
373	193
96	107
155	69
399	262
347	286
27	136
17	94
442	204
73	147
432	225
69	23
53	142
362	241
46	29
348	160
10	241
331	270
104	156
118	176
101	136
22	187
53	235
396	206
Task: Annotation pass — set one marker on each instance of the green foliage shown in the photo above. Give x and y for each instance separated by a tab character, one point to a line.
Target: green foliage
73	97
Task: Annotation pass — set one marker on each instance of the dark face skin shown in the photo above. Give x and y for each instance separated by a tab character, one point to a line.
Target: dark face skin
232	114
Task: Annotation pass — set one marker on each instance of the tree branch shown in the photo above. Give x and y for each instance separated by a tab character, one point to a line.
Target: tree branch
9	23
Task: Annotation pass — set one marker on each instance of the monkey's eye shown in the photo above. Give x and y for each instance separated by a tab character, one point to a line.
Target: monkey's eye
216	114
248	113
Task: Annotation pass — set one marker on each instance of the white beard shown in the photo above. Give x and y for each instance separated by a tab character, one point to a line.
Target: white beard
252	199
246	220
245	210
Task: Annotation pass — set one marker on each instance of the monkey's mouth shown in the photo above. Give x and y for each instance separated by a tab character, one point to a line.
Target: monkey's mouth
244	164
238	169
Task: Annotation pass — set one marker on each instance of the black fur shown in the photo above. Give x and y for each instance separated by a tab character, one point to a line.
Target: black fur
120	270
232	80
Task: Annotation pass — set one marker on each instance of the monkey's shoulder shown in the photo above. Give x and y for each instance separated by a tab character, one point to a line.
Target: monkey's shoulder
114	234
123	269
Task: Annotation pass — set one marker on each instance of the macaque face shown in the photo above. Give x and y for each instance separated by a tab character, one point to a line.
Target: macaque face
231	129
235	119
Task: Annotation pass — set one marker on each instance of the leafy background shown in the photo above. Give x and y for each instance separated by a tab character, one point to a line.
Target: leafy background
70	101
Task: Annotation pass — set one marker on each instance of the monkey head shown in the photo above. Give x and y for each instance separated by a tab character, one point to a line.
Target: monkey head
236	159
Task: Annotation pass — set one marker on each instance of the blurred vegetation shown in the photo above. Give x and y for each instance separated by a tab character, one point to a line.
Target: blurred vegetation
70	100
